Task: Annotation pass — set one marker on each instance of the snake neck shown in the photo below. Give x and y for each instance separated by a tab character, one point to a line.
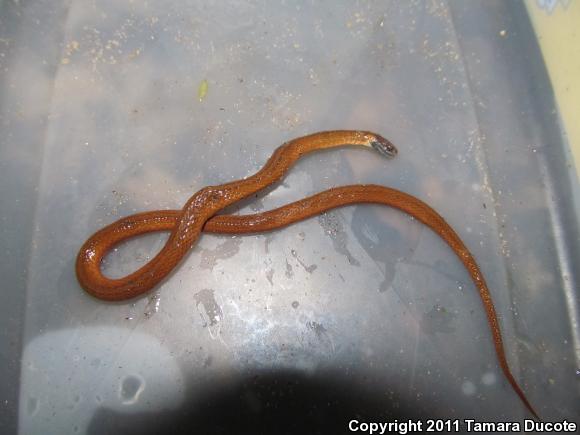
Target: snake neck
332	139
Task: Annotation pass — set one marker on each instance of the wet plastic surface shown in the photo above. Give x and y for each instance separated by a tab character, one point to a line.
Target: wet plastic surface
362	311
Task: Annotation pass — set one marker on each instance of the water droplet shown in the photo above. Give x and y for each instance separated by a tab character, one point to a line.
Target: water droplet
488	378
468	388
131	388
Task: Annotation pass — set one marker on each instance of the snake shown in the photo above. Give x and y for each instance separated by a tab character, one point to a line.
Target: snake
200	214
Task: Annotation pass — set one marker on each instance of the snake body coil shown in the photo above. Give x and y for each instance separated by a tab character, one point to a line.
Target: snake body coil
199	213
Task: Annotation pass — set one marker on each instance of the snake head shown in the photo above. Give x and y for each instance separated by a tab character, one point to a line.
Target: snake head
384	147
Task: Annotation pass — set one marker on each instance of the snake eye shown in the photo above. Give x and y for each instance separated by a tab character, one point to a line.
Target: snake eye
384	147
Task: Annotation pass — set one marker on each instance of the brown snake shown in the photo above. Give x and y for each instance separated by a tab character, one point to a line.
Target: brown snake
199	212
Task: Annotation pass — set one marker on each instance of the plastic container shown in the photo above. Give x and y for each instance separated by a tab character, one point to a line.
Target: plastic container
110	108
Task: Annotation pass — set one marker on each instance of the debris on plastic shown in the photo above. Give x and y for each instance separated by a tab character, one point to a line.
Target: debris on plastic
202	90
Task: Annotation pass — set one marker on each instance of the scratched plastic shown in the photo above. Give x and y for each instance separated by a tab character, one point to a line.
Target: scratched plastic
110	108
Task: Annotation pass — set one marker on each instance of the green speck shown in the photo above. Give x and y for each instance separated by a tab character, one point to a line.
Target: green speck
202	90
